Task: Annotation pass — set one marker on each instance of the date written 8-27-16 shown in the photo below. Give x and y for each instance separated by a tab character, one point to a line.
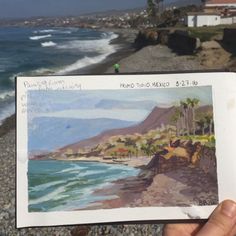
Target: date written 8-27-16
185	83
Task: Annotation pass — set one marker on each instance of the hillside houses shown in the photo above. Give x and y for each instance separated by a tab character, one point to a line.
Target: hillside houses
215	12
224	7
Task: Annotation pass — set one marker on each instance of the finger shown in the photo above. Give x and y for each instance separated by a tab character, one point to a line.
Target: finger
180	229
233	232
222	220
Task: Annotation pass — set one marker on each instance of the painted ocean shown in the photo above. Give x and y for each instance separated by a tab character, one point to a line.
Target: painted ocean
68	185
39	51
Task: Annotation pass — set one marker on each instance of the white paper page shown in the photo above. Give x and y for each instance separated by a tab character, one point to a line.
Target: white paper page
94	149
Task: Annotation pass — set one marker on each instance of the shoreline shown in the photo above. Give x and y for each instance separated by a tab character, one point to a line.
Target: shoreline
7	125
136	162
125	48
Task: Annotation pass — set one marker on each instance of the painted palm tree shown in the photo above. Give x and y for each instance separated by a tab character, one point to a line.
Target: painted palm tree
177	119
184	106
202	125
192	104
209	122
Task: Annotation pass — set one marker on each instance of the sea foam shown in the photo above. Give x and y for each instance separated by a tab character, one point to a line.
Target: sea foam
48	44
100	46
38	37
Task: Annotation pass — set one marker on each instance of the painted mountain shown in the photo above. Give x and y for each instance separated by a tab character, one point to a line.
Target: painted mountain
156	119
49	133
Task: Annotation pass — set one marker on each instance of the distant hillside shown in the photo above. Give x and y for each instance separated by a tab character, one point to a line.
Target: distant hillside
48	133
157	118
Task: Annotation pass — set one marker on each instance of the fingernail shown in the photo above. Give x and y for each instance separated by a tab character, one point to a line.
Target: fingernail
228	208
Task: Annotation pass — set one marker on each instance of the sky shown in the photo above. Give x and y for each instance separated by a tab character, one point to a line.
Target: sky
29	8
55	103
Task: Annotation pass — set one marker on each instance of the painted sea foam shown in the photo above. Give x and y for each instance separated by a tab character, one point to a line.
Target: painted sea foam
66	185
39	51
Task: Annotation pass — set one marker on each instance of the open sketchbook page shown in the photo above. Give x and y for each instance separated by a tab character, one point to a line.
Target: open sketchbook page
112	148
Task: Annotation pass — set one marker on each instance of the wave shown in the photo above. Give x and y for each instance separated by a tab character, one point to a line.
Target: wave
93	45
73	168
38	37
86	61
90	173
55	195
60	31
48	44
7	95
42	187
100	46
7	105
44	31
7	112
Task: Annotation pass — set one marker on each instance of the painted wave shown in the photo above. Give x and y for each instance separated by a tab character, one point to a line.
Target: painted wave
63	190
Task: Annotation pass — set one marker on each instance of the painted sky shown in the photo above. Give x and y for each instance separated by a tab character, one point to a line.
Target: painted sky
28	8
129	105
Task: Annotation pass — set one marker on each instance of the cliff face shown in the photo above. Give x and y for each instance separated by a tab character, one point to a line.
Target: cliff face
178	40
186	154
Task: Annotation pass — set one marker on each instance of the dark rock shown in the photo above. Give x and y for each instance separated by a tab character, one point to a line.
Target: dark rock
229	36
82	230
182	43
146	37
163	36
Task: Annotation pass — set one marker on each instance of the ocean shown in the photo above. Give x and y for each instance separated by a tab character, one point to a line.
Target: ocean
51	51
68	185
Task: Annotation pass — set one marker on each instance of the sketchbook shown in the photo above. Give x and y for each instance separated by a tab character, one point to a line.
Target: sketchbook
116	148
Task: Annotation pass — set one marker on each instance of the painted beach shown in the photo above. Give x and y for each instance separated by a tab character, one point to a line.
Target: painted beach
110	149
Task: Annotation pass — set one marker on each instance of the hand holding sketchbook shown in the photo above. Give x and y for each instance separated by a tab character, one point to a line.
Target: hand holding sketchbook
93	149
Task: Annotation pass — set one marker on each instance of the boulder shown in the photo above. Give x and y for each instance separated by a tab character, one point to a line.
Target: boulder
229	36
182	43
146	37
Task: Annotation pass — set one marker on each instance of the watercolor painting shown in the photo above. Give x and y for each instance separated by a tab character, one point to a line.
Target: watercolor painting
104	149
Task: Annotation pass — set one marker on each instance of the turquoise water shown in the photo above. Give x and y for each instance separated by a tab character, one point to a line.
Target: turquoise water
69	185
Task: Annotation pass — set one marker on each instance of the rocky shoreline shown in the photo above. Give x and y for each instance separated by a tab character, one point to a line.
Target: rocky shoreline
168	182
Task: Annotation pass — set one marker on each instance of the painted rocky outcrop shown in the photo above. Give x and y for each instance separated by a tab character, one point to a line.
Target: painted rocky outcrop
182	154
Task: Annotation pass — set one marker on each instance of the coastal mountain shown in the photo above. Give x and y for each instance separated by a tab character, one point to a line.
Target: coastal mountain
157	118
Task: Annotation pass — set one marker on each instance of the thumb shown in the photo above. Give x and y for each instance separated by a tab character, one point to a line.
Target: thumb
222	220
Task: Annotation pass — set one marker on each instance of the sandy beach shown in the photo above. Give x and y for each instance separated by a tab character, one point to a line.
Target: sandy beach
132	161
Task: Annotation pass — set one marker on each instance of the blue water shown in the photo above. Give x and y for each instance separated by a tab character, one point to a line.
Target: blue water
69	185
41	51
